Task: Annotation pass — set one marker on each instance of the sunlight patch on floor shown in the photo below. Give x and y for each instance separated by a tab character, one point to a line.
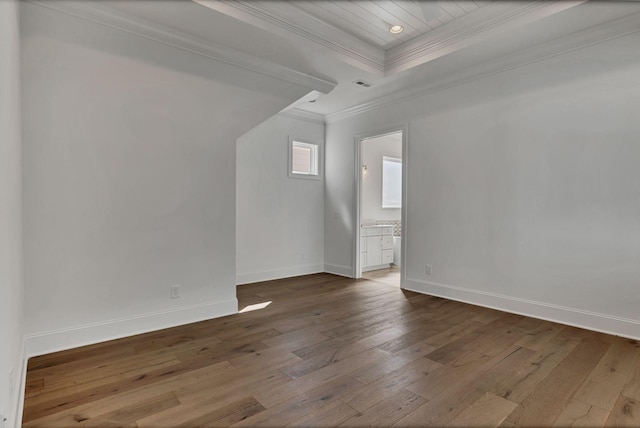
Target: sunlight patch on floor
255	307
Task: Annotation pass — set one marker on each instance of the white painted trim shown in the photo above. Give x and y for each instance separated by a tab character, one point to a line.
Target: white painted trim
582	39
100	14
295	113
68	338
339	270
352	49
317	158
357	268
18	407
603	323
357	224
289	271
405	204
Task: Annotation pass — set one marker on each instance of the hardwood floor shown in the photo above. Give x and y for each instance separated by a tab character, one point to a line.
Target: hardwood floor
389	276
331	351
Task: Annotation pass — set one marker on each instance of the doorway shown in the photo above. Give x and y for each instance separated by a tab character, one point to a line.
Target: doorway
381	175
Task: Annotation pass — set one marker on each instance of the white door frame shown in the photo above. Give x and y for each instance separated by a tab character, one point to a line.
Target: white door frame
357	267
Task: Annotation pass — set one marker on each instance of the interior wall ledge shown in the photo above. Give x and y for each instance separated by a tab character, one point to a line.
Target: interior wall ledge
355	51
104	15
295	113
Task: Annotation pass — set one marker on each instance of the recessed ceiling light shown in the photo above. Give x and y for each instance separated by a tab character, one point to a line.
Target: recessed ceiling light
395	29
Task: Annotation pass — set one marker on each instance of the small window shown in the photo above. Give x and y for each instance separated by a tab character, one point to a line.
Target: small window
304	160
391	182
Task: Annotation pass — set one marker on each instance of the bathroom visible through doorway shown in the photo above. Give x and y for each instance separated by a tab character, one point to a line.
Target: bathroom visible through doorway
380	210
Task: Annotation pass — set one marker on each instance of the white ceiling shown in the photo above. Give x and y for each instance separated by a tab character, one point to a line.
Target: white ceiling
344	41
369	20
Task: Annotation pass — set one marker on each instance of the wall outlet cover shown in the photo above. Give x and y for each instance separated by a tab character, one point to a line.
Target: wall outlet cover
428	269
175	291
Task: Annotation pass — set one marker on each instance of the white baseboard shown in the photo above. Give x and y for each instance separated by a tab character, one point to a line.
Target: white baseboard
382	266
339	270
58	340
287	272
561	314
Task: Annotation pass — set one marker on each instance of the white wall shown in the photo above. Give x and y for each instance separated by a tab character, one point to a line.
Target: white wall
373	149
129	166
279	220
523	188
11	290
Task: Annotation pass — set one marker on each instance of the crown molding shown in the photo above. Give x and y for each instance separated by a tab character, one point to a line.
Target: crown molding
104	15
295	113
353	50
470	29
592	36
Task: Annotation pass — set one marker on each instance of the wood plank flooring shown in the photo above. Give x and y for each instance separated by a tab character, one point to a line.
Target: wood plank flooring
332	351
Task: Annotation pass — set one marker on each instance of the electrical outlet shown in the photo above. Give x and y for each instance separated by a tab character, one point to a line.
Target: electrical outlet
175	291
428	269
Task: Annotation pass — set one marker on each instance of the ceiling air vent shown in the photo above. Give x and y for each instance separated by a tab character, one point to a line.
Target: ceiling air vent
362	83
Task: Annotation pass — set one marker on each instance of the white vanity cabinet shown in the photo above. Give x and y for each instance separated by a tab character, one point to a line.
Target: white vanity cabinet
376	247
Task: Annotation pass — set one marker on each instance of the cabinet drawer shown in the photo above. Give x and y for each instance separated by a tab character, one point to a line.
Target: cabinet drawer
387	256
371	231
387	242
387	230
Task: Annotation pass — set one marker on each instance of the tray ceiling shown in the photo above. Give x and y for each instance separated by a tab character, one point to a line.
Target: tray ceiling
358	30
370	20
